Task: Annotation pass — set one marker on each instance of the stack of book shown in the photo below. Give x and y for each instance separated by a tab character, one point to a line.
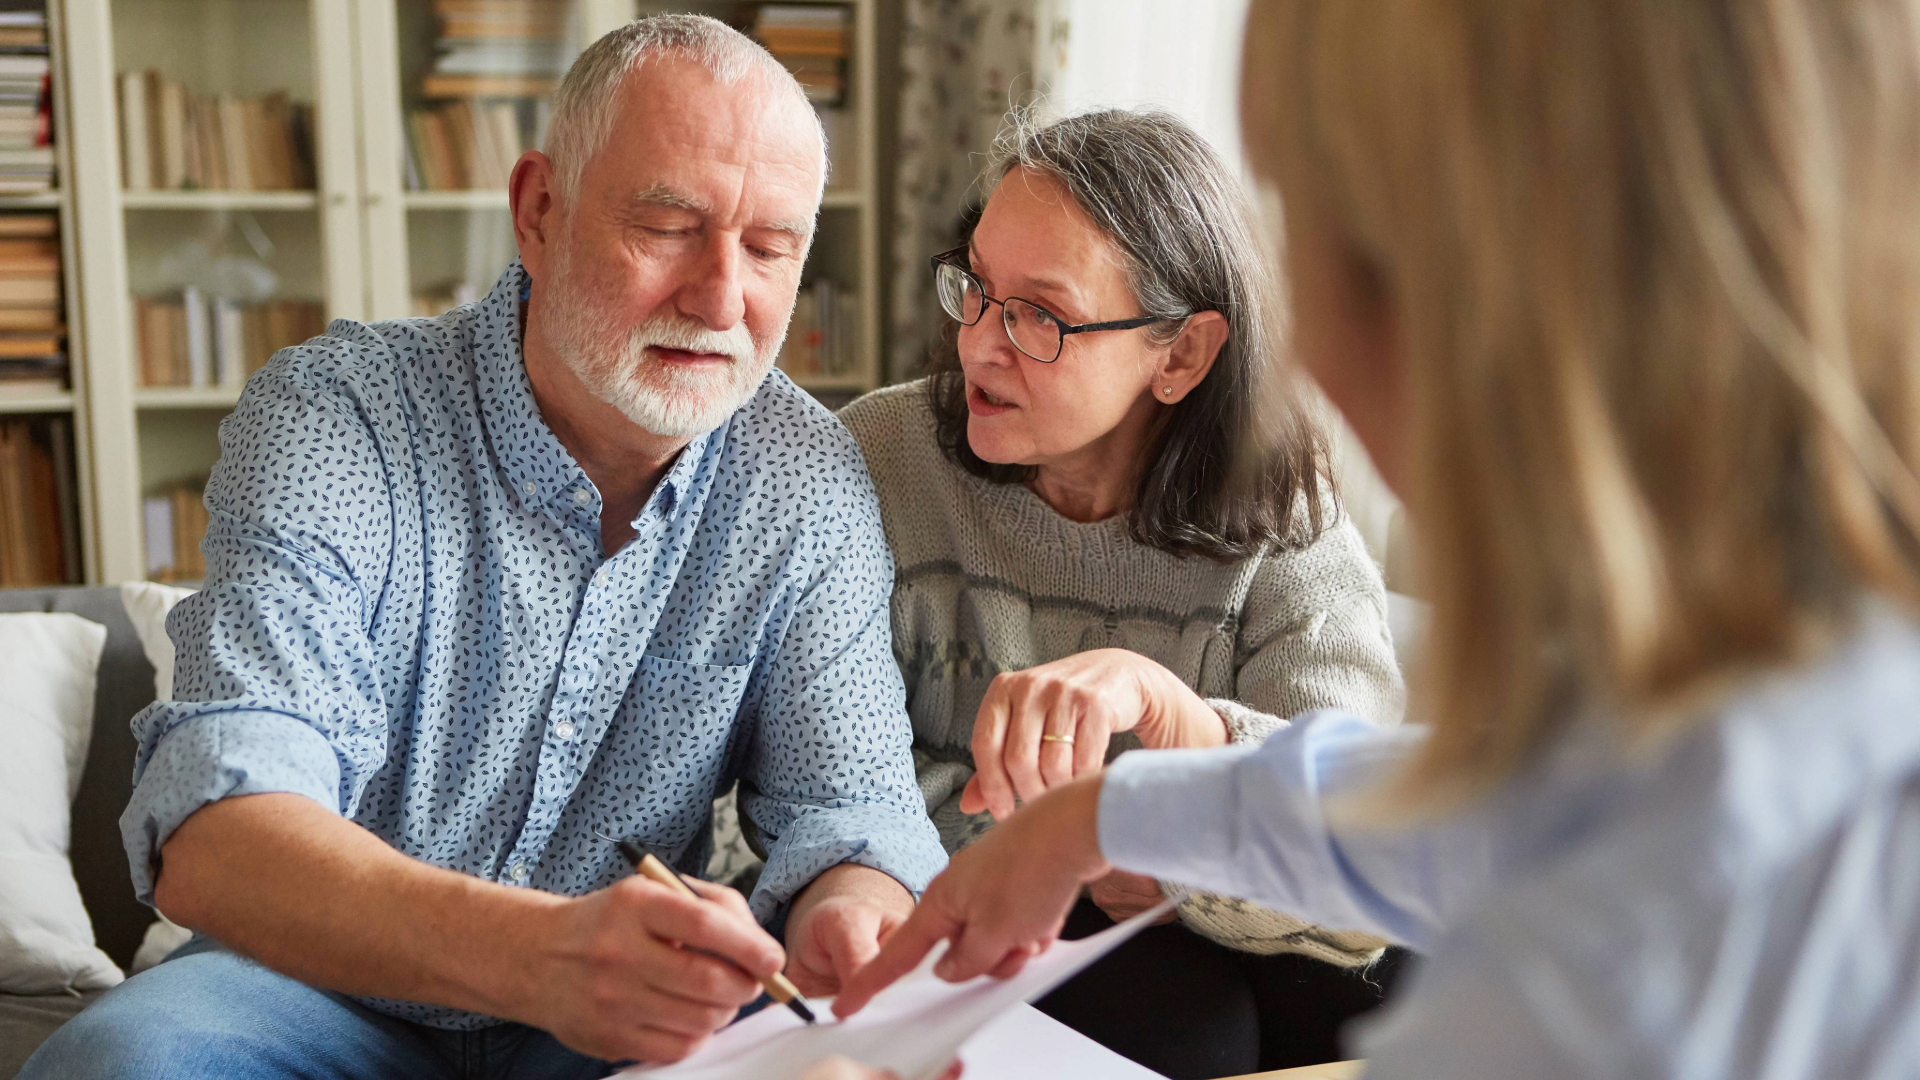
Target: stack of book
176	522
822	339
171	139
495	63
811	41
202	341
39	516
26	104
33	357
498	48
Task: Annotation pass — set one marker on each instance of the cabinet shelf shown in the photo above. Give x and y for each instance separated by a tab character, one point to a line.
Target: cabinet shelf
219	200
487	199
184	397
12	404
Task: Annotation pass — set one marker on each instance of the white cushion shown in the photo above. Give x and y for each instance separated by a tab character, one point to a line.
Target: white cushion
148	604
161	939
48	664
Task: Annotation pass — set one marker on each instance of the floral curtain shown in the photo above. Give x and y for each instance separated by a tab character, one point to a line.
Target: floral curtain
965	64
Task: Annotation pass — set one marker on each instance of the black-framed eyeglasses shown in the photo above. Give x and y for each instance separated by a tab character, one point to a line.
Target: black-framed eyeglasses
1033	329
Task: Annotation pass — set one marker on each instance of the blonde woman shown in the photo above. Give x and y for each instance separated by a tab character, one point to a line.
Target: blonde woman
1620	296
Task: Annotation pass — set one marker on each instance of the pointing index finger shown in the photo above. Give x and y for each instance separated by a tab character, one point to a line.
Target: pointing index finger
904	948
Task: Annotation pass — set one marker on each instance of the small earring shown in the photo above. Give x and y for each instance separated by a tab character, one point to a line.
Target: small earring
1167	390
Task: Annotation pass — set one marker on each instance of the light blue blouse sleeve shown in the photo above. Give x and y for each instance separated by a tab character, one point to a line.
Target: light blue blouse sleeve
1260	822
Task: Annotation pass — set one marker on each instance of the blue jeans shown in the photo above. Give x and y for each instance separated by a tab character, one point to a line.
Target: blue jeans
208	1014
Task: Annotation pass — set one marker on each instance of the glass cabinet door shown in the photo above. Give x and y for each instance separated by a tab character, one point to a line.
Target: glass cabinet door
467	89
237	205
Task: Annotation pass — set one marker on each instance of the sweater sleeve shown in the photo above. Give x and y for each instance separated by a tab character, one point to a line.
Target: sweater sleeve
1313	636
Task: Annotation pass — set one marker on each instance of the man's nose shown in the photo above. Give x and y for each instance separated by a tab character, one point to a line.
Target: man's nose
714	294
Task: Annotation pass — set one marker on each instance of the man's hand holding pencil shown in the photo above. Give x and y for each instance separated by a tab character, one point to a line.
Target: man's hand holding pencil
642	971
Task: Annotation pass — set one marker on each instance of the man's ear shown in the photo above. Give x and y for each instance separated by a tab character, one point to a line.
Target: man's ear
533	194
1191	356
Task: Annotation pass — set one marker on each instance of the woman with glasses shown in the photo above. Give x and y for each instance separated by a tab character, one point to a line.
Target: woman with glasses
1081	569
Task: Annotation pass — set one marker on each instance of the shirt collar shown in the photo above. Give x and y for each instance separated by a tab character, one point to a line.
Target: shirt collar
538	468
535	465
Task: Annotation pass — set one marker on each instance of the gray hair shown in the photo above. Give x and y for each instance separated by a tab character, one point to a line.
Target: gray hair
1147	180
585	105
1233	467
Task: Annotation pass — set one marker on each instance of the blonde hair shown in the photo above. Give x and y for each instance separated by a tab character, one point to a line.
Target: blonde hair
1656	266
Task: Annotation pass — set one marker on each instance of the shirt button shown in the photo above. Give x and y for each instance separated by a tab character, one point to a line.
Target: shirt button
600	575
519	872
564	729
581	497
529	488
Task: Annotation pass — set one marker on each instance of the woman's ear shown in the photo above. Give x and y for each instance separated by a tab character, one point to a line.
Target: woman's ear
1191	356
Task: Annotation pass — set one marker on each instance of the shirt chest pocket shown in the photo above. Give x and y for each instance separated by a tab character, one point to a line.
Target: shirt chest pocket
682	718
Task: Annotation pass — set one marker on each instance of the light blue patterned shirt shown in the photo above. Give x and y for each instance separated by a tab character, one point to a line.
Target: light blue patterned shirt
408	619
1741	902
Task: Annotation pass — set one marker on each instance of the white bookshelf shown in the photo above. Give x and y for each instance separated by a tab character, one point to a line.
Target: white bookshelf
361	244
66	403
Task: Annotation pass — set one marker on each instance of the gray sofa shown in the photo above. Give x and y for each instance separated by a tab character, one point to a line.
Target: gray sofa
99	862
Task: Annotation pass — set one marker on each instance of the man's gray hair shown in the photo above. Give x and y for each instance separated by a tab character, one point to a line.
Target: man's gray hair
588	100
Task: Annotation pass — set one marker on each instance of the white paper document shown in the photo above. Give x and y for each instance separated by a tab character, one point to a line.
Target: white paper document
1024	1043
918	1025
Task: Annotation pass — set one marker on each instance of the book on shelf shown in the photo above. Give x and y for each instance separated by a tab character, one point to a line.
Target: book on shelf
24	29
501	56
812	42
485	20
39	516
172	139
497	49
32	376
487	86
33	357
195	340
823	338
26	105
175	521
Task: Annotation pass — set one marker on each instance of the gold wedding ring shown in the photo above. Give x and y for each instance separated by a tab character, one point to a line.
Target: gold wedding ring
1068	739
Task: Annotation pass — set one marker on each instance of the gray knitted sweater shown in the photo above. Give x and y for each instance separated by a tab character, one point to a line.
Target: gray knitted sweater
988	578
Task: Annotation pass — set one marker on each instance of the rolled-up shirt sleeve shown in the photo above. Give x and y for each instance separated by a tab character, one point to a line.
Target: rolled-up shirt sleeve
275	681
1264	822
830	776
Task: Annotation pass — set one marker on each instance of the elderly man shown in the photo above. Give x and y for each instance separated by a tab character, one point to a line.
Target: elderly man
561	563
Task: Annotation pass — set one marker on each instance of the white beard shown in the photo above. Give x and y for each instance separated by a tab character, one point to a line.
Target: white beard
663	398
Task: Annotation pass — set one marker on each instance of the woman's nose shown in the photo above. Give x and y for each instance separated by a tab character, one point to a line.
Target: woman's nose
986	341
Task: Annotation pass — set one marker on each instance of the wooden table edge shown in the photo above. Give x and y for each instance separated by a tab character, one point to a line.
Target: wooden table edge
1332	1070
